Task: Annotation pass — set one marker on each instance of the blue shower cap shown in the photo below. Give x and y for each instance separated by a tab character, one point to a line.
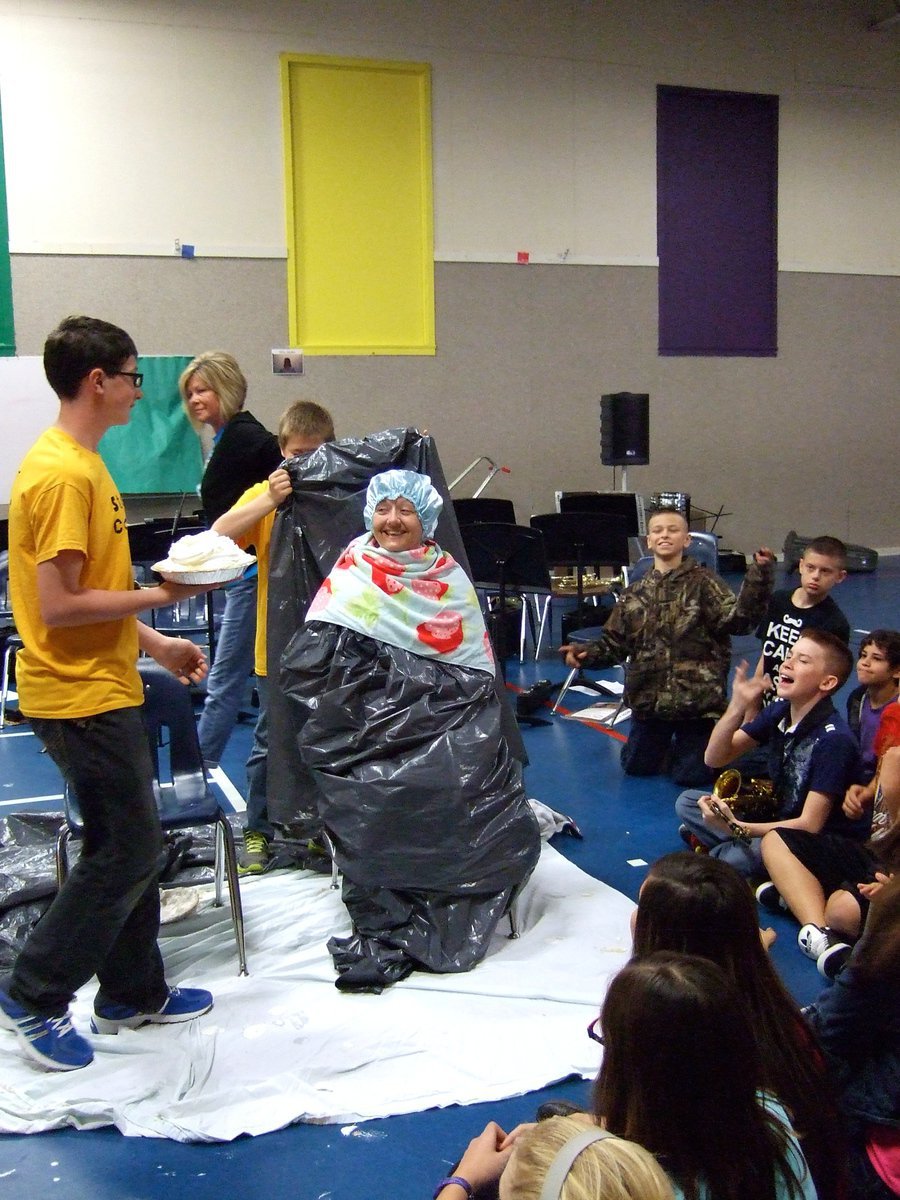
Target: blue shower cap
391	485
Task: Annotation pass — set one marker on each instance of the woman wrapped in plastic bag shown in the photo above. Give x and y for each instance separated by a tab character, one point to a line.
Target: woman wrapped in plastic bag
392	684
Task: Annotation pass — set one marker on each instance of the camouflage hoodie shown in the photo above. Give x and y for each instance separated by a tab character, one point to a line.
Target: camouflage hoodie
674	629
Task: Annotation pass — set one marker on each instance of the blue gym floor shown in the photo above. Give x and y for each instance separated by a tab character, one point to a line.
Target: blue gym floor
574	768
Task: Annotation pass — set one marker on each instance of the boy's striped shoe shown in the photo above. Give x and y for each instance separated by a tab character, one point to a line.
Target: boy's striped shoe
182	1004
50	1041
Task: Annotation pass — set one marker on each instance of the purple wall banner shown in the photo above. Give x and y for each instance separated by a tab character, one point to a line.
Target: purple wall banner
717	222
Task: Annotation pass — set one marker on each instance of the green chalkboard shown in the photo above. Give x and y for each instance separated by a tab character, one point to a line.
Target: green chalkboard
7	327
158	450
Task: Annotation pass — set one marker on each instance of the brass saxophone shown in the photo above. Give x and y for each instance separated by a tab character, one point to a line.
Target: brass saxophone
754	800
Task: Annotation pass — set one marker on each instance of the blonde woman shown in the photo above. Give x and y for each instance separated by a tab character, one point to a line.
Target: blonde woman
214	390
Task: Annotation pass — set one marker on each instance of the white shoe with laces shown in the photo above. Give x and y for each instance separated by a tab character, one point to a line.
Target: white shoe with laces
833	960
814	940
50	1041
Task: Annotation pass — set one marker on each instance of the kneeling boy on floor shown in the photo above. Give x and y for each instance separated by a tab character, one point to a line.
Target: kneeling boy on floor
813	756
673	627
304	426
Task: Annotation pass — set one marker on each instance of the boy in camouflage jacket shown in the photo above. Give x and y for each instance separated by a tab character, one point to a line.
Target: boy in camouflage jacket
672	630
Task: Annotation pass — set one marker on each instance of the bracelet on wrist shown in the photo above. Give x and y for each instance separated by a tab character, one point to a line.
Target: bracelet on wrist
460	1182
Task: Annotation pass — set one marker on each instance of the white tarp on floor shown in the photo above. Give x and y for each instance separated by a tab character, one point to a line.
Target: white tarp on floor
283	1045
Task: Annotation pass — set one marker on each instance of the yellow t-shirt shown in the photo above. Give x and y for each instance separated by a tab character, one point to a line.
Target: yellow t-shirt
63	498
259	535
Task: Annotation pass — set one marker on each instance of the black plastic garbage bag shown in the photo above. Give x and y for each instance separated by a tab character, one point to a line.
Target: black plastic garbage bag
311	530
27	876
420	795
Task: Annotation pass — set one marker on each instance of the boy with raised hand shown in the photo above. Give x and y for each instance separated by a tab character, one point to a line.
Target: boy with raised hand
806	869
304	426
826	880
673	627
808	606
75	607
813	756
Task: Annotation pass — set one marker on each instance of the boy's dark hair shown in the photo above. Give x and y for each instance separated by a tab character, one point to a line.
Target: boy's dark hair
305	418
887	641
666	511
80	344
838	659
831	547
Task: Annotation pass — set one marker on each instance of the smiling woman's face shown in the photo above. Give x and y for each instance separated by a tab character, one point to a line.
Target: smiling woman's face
396	525
203	402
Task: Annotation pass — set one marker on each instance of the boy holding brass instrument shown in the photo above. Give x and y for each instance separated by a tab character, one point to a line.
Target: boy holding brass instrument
813	756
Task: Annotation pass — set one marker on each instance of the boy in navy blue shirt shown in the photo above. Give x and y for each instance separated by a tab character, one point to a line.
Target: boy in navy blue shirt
813	756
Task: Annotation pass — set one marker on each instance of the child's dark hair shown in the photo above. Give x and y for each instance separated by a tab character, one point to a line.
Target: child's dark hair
80	344
696	904
305	418
838	659
887	641
681	1075
831	547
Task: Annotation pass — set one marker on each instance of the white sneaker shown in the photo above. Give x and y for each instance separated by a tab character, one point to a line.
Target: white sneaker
769	897
834	959
813	940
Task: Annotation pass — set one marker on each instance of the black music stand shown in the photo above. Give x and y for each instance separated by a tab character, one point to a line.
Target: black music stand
479	509
506	558
612	504
583	538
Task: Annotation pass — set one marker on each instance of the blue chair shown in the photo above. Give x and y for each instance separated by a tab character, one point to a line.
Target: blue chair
704	548
185	799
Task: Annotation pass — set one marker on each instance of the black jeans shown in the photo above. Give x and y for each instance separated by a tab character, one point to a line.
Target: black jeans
105	919
674	747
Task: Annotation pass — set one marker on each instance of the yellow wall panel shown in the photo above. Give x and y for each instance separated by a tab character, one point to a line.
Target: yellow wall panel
359	203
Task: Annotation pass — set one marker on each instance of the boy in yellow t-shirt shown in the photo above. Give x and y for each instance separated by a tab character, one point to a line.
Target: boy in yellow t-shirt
304	426
76	607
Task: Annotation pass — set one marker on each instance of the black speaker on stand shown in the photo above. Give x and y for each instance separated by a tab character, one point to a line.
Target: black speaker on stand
625	430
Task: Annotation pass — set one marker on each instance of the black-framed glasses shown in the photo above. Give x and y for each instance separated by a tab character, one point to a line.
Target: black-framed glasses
136	377
593	1031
